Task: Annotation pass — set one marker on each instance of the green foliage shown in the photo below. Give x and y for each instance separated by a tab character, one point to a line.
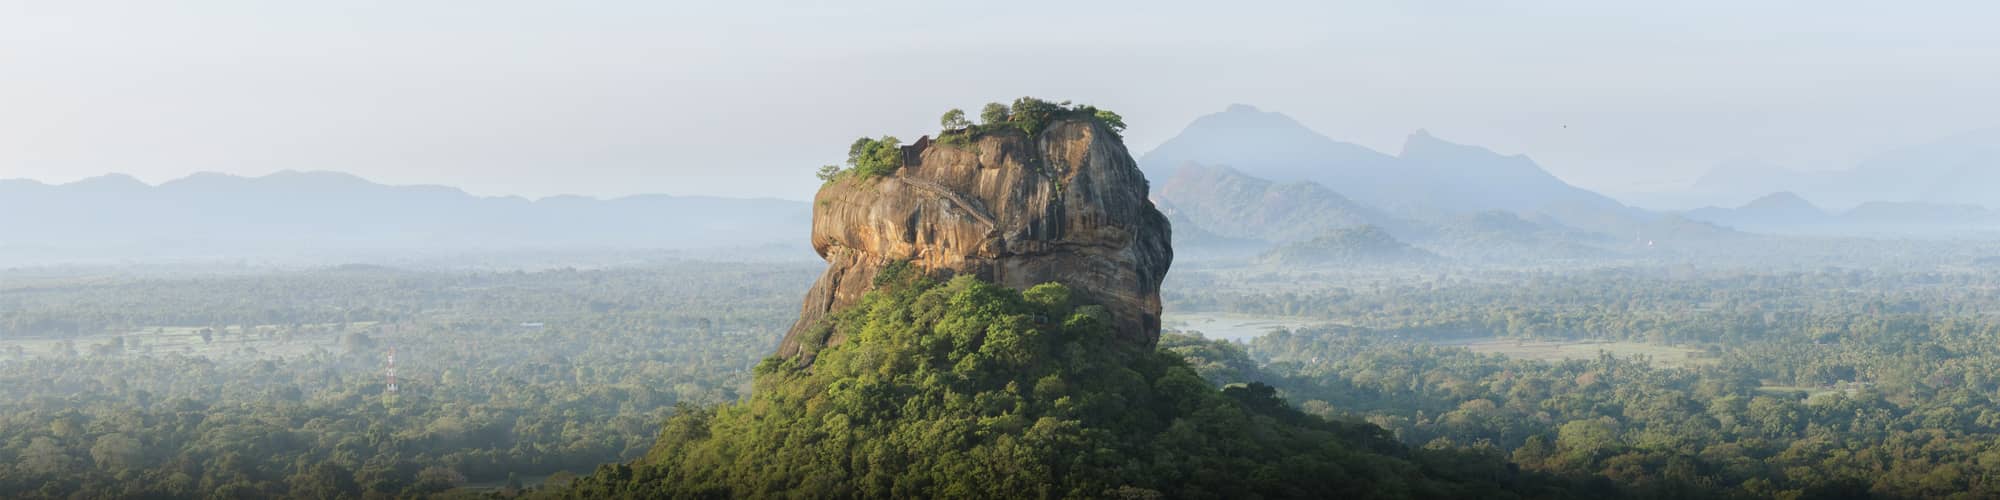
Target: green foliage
966	389
281	409
993	114
868	158
954	120
1031	114
1831	382
875	157
1111	120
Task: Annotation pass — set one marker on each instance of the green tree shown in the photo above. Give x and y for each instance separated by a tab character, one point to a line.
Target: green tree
875	157
1111	120
326	481
117	452
1031	114
954	120
993	114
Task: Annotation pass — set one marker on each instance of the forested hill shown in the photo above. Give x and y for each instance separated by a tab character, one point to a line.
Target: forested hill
963	389
936	383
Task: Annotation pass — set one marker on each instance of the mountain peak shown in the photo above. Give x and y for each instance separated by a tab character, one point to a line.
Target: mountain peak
1244	115
109	182
1778	199
1266	144
1422	144
1785	202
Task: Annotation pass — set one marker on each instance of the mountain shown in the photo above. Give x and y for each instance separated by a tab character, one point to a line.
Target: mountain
1777	210
1954	170
1228	203
1787	213
210	215
1461	178
1268	145
928	367
1352	246
1736	182
1430	177
1232	205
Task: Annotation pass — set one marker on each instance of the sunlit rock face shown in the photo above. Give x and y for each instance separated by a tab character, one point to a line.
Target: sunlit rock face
1067	205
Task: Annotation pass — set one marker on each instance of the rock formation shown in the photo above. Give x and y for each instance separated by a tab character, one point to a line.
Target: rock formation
1066	205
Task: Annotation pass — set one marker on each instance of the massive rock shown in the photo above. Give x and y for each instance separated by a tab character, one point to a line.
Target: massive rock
1066	205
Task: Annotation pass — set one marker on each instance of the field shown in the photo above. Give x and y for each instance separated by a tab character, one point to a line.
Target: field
1662	355
1233	326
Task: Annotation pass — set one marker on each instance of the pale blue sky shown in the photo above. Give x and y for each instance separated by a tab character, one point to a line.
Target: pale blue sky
746	98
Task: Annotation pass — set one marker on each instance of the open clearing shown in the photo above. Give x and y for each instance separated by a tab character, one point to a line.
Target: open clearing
1662	355
1232	326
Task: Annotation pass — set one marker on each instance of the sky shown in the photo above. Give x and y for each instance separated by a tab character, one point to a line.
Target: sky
746	98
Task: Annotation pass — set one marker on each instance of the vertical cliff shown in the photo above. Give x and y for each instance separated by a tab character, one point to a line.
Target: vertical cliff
1067	204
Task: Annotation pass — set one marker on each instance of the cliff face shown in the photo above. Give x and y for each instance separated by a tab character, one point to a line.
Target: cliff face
1067	205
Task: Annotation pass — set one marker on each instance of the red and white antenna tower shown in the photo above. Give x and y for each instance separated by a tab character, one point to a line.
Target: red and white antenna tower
391	388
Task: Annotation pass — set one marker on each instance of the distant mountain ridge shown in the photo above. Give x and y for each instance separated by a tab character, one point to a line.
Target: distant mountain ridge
1788	213
1228	203
1245	173
1957	170
1429	177
210	214
1776	209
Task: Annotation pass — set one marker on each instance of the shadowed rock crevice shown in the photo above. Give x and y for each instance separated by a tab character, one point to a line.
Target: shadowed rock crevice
1066	205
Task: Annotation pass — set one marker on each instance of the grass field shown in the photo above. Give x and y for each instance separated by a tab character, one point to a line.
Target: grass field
1662	355
1232	326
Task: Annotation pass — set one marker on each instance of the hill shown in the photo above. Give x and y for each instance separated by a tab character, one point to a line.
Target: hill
1787	213
1783	210
1226	202
920	369
1430	177
290	213
1351	246
1268	145
1951	171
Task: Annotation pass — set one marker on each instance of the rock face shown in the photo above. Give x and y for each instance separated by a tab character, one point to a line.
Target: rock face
1067	205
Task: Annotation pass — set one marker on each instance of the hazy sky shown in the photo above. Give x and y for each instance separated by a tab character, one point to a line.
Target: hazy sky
746	98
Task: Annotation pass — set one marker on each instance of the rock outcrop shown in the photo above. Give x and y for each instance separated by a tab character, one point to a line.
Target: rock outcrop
1067	205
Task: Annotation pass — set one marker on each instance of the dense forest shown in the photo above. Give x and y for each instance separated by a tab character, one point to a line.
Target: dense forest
1837	383
261	385
1822	383
968	390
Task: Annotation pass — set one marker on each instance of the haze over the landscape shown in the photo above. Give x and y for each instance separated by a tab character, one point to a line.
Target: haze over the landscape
1441	250
738	98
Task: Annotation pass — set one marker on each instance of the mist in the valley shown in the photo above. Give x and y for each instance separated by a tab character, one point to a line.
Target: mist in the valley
1450	250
